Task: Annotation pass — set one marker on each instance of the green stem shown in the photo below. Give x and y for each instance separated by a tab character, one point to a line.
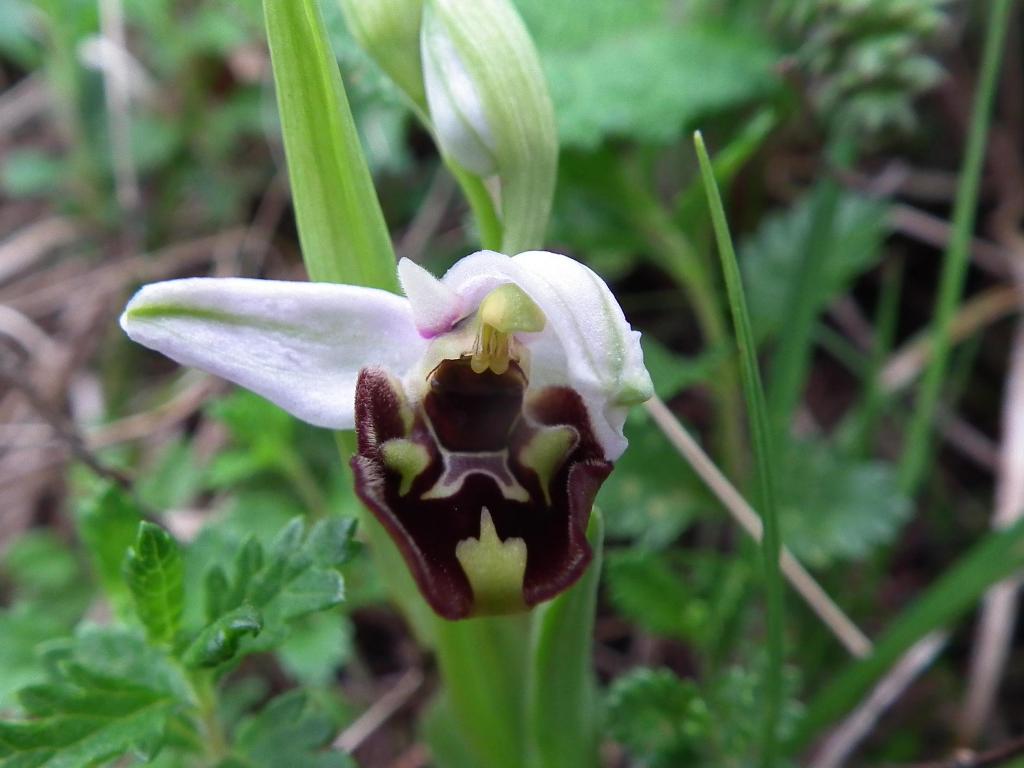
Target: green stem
954	269
216	742
483	664
761	439
885	333
482	206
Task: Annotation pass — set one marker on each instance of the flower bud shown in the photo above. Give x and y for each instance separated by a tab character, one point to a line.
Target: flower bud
490	107
389	30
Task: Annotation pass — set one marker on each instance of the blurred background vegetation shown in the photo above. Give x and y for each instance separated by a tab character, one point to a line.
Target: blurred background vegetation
139	142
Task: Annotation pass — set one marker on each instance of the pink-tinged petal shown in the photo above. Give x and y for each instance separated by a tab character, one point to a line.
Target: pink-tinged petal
587	343
300	345
435	306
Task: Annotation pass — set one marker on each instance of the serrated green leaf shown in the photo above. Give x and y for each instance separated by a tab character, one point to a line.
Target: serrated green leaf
311	591
107	523
155	576
658	717
296	577
835	508
83	718
635	71
291	730
218	642
772	255
644	588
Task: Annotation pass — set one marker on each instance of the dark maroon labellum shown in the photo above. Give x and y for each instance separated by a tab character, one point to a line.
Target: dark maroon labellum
478	441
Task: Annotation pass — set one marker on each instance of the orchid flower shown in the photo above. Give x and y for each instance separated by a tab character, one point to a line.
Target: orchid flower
488	404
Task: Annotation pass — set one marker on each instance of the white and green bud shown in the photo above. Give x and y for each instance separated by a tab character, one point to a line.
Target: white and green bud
389	30
490	108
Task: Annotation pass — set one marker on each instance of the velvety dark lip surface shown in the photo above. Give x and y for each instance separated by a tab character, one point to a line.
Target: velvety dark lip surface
473	421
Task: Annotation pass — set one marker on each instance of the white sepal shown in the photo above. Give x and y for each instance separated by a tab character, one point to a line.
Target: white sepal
300	345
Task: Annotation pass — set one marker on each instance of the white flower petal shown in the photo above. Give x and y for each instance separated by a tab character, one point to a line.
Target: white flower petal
587	343
300	345
435	306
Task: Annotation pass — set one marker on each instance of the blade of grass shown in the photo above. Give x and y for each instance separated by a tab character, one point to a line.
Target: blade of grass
341	227
954	269
989	561
761	438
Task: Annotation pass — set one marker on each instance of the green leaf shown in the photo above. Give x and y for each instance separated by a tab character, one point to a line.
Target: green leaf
317	647
644	588
24	628
268	590
341	227
291	730
218	642
31	173
633	72
648	500
658	717
107	524
83	718
562	718
835	508
764	459
771	257
154	572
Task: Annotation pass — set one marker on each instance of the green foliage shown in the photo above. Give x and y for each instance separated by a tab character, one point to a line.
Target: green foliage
107	521
659	718
218	641
647	590
291	730
82	717
869	59
632	71
836	508
31	173
772	255
652	497
153	572
296	577
665	721
107	691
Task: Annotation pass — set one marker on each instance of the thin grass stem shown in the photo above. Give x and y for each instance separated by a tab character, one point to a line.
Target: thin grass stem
954	269
765	479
